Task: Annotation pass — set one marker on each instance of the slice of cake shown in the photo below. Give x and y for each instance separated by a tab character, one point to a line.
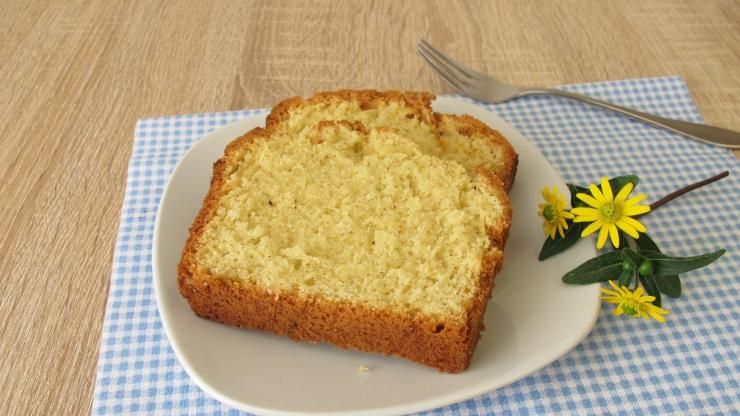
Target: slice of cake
355	236
462	139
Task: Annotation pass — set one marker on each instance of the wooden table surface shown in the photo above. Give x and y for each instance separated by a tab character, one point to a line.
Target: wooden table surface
74	78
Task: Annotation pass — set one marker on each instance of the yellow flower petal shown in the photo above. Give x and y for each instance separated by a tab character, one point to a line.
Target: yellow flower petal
627	228
637	225
596	192
614	235
611	299
658	318
638	292
566	214
656	309
623	291
592	228
584	211
607	189
603	233
583	214
657	315
635	210
588	199
624	192
635	200
611	293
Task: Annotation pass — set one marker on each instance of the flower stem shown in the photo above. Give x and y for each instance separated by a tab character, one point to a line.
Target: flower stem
673	195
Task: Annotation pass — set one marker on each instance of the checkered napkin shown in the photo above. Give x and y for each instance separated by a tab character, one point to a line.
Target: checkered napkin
689	365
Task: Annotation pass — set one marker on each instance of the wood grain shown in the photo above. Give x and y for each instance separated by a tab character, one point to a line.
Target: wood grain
75	77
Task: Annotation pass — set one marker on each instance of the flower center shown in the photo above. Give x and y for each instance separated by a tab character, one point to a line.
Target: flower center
549	212
630	308
609	212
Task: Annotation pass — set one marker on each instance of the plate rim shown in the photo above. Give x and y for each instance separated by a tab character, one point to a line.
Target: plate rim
455	396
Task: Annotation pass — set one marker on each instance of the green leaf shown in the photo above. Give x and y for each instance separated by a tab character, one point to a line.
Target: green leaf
667	265
632	256
605	267
625	279
618	182
651	288
646	243
552	247
670	285
575	189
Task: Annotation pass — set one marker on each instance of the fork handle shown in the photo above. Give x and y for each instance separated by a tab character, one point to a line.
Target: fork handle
701	132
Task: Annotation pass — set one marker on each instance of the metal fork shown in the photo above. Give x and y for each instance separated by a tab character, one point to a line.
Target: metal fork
484	88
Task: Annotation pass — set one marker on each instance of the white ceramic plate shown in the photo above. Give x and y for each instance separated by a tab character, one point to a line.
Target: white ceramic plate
532	319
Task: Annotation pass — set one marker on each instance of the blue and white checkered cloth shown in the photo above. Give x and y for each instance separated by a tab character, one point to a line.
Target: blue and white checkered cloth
689	365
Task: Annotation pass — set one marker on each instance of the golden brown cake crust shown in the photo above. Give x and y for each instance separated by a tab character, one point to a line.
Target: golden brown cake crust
469	126
420	102
445	346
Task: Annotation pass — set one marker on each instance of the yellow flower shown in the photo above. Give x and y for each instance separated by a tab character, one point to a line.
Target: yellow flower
633	303
554	213
607	212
